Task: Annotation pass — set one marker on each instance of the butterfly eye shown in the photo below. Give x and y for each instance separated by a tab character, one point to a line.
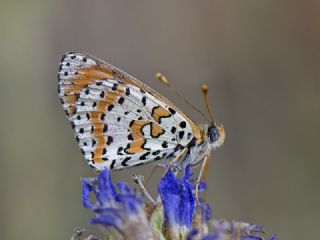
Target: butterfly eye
213	133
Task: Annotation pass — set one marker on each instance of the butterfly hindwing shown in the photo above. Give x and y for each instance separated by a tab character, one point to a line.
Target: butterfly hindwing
117	121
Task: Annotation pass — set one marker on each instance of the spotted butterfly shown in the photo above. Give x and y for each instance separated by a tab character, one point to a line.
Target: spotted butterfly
120	122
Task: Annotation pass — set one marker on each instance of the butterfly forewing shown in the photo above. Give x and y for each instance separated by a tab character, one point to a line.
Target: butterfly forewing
118	121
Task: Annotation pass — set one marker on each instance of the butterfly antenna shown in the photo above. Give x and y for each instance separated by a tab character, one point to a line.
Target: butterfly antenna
165	81
206	101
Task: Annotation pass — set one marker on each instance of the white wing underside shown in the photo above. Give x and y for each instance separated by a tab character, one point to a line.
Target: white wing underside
127	108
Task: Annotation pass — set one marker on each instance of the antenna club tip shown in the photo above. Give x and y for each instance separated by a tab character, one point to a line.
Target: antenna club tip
158	75
204	88
162	78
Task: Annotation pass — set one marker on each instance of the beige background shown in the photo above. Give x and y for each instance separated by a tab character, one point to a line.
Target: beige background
259	58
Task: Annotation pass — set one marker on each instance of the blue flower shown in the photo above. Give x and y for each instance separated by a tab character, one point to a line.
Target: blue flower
224	230
122	210
180	210
123	214
177	199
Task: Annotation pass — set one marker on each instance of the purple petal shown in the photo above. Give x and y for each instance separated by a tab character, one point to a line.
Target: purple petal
106	191
177	198
86	190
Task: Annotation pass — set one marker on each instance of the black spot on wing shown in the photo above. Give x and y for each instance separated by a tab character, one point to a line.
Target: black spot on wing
110	107
91	165
172	111
156	152
144	100
164	144
109	140
144	156
181	134
183	124
189	136
121	100
124	162
112	164
119	151
115	87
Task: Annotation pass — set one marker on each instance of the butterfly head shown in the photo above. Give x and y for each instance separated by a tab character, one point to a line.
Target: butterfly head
216	135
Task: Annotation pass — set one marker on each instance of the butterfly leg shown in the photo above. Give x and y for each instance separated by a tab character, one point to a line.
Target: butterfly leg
202	170
184	151
139	180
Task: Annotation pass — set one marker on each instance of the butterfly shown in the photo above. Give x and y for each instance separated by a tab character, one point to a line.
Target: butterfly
120	122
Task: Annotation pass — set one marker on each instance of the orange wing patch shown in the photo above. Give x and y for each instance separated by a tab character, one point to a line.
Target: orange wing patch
156	130
98	124
83	77
160	112
91	74
136	136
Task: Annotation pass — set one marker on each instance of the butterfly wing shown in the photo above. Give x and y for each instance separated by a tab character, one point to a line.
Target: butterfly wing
118	121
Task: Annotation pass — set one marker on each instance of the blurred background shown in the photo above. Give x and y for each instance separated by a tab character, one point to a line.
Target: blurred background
262	64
